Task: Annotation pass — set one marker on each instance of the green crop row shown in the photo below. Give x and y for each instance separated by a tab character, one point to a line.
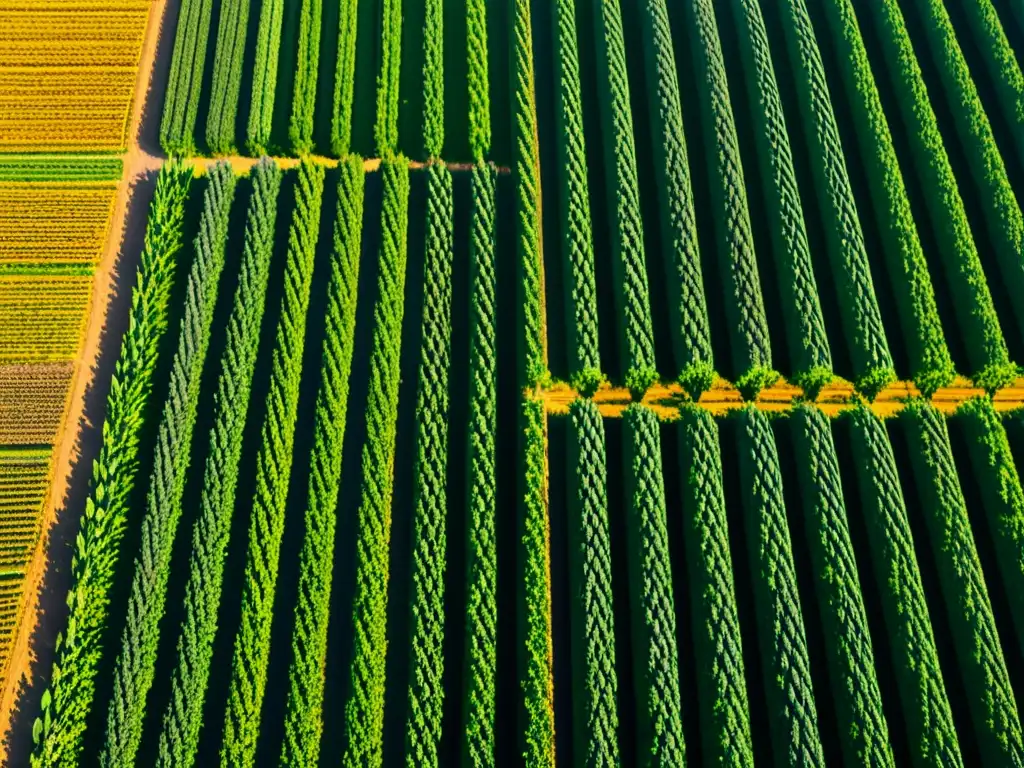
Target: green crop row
636	330
858	306
744	303
344	78
386	127
62	168
810	355
986	682
535	641
228	57
66	703
135	667
300	127
364	709
264	76
183	718
426	658
433	78
722	690
999	206
688	310
1003	67
992	464
530	285
860	721
659	719
574	200
931	366
188	60
782	641
592	617
304	709
931	734
481	552
972	302
477	80
273	471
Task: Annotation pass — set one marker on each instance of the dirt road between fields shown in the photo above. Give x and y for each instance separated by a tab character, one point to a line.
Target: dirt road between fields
47	579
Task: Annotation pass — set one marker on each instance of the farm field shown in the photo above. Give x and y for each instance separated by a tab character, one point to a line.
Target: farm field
524	383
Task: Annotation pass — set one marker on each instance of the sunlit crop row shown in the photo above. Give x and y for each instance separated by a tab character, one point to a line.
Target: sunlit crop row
32	402
42	315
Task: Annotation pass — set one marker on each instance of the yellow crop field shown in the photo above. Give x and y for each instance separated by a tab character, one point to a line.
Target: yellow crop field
67	73
32	402
54	222
42	315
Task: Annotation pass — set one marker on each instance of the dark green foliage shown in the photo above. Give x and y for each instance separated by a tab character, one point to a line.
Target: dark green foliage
744	304
536	671
1001	209
659	720
433	78
426	664
858	306
530	286
300	129
303	723
273	471
722	690
135	668
979	656
1002	497
931	364
636	331
364	709
232	30
264	76
863	732
1003	67
60	726
932	737
810	356
183	718
983	338
478	82
386	128
592	620
782	641
688	310
344	78
481	627
574	200
181	101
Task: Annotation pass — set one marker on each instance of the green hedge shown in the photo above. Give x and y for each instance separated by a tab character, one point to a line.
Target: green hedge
481	628
781	639
184	83
979	656
385	130
183	718
228	58
264	77
300	126
67	701
344	78
659	719
855	291
931	733
863	731
135	667
734	239
592	618
931	366
303	722
273	471
425	709
688	309
364	709
477	80
433	78
972	302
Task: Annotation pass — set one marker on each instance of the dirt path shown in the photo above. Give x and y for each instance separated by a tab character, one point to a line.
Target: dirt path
78	441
